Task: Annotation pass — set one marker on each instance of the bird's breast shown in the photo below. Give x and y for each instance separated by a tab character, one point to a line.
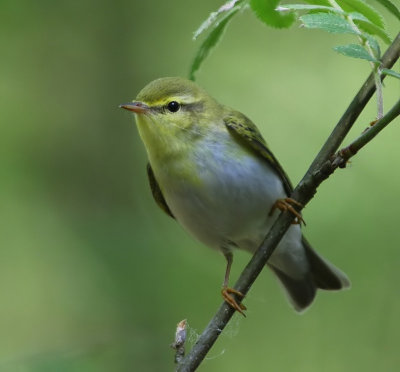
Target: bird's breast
220	191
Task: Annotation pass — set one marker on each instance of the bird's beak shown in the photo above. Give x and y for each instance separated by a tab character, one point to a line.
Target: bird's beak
136	107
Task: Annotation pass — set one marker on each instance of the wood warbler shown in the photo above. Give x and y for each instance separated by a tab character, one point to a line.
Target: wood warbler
211	170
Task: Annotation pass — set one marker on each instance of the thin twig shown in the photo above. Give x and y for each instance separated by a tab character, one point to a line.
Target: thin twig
305	190
346	153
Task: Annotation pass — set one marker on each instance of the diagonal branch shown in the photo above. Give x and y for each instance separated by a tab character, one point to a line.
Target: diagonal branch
319	171
370	133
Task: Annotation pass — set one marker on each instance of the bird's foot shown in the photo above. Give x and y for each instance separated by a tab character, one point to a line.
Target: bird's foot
287	204
227	295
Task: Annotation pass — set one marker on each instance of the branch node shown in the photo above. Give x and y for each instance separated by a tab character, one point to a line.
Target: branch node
179	344
341	158
322	173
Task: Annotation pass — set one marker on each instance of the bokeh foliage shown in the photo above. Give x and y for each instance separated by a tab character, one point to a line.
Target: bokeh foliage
93	277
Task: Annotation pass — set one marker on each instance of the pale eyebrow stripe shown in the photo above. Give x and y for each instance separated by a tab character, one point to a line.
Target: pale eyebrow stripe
192	106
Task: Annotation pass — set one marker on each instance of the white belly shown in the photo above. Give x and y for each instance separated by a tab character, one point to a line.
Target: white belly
231	204
230	201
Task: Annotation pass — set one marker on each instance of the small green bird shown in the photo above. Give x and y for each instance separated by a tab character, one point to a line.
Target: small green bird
211	170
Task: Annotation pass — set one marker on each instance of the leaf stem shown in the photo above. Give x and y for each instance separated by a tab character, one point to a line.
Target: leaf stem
375	68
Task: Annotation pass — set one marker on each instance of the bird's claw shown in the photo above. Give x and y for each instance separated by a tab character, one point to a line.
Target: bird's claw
227	295
287	204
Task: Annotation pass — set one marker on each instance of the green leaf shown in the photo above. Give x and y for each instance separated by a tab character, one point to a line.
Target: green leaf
206	24
211	40
355	51
386	71
327	22
215	17
358	16
265	10
366	25
390	7
318	2
363	8
372	29
308	7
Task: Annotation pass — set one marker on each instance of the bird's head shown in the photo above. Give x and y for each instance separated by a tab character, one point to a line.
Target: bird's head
173	112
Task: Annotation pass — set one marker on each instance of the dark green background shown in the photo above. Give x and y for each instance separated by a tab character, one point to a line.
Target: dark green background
94	277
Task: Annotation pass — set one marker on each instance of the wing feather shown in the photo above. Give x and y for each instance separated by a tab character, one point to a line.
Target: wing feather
157	193
246	131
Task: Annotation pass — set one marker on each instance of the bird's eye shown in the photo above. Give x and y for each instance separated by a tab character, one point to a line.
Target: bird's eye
173	106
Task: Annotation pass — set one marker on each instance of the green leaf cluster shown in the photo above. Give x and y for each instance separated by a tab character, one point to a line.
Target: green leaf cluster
348	16
355	17
355	12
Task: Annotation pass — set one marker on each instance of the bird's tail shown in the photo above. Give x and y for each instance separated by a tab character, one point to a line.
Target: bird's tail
321	275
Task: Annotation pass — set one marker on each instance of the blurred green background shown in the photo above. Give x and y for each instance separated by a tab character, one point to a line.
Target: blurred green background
94	277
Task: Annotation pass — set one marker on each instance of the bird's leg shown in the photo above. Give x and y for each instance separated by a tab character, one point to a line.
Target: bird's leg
226	291
287	204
